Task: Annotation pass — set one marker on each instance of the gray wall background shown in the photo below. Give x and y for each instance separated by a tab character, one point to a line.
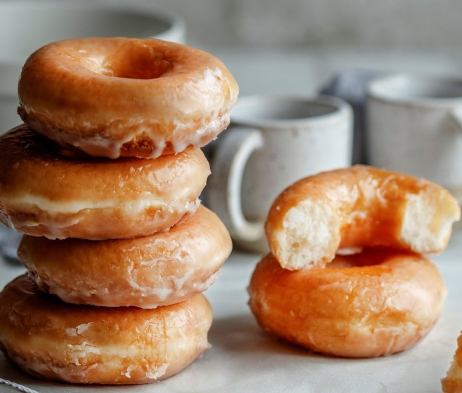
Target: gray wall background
416	24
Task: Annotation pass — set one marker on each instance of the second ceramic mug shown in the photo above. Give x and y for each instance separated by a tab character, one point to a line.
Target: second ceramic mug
273	141
415	127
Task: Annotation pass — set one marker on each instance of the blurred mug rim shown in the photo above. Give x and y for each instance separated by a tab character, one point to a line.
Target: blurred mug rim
397	89
338	108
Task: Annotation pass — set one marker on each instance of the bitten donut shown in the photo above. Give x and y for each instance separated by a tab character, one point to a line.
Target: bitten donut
43	193
147	272
98	345
358	207
114	97
371	304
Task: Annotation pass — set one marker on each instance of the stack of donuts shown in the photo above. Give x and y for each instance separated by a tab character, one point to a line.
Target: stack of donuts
346	275
103	179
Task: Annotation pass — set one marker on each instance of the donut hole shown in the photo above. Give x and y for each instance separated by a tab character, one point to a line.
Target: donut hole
371	256
141	65
134	64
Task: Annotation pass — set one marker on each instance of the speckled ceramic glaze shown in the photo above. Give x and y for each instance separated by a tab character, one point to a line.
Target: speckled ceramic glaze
273	141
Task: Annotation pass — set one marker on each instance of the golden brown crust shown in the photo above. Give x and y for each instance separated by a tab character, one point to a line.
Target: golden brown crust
114	97
85	344
371	304
452	383
147	272
45	193
358	207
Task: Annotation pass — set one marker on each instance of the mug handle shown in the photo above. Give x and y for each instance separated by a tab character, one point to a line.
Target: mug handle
456	116
224	187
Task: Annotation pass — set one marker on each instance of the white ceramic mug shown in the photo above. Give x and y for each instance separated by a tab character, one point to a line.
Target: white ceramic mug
27	25
272	142
414	126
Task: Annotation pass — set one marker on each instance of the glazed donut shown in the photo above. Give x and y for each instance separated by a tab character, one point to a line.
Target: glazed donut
364	305
147	272
46	194
358	207
98	345
452	382
114	97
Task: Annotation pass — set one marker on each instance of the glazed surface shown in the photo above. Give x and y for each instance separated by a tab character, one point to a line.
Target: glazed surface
148	271
99	345
371	304
46	193
114	97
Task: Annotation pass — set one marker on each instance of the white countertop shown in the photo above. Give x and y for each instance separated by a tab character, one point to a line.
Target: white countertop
244	358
